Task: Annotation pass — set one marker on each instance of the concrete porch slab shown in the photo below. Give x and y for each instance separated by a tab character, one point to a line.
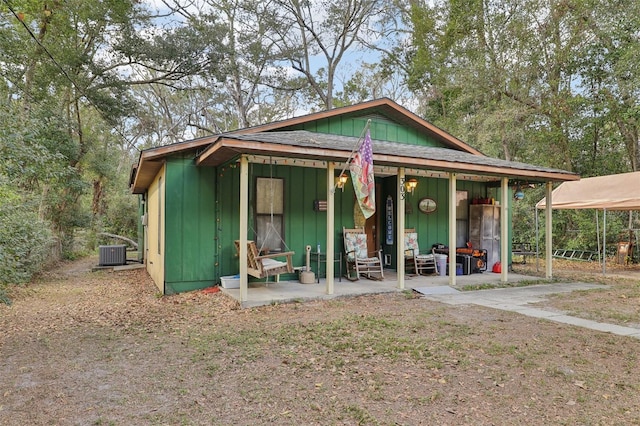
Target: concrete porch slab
260	293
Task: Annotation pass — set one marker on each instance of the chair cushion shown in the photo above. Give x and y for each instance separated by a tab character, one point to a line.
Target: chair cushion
356	243
411	241
368	260
425	257
269	264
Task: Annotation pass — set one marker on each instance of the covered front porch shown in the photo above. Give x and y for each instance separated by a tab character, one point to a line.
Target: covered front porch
305	150
269	293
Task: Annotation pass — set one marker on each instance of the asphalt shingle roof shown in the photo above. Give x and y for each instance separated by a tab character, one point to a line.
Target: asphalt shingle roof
308	139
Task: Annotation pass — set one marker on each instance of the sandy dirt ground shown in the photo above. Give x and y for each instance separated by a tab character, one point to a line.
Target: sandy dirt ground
104	348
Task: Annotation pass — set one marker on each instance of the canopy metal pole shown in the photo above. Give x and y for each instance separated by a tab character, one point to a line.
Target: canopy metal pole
549	233
630	253
604	242
537	239
598	236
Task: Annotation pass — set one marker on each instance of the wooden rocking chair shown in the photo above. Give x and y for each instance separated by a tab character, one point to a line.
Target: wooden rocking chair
414	261
266	265
359	260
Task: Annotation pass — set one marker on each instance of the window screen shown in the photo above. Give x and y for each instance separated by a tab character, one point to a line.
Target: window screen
269	214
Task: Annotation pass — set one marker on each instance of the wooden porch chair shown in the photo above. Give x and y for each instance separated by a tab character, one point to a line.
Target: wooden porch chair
420	264
266	265
361	261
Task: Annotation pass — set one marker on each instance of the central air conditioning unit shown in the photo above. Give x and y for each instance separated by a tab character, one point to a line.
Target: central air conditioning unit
112	255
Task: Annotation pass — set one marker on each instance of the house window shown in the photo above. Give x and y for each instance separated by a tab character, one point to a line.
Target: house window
270	213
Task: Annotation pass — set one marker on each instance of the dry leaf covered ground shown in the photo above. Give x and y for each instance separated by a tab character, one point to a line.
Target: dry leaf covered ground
82	348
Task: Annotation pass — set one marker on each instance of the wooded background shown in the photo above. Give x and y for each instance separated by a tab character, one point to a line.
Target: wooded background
86	84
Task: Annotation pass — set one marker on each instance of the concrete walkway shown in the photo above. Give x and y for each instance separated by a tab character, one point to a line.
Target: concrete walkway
517	300
261	293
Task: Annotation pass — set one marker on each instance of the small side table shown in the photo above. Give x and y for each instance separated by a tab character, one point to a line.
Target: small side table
322	258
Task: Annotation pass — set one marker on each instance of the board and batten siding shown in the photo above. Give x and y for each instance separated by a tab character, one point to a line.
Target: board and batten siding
155	229
190	225
302	224
432	228
381	129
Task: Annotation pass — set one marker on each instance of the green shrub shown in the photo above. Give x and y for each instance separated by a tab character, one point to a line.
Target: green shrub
25	242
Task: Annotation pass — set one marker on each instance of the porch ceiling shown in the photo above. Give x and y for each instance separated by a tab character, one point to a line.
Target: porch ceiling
419	160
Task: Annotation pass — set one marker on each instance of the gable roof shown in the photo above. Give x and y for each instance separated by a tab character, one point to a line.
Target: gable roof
384	107
282	139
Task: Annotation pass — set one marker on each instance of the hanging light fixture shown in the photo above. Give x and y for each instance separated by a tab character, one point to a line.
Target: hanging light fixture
411	185
342	180
518	195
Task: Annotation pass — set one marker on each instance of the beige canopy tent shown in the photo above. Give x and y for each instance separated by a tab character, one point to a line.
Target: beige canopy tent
612	192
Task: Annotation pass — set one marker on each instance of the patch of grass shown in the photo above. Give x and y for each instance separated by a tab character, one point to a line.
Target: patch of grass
434	396
375	386
102	422
616	304
450	335
4	295
410	294
337	303
527	362
496	349
361	415
489	286
355	337
212	369
621	317
632	362
475	287
248	343
454	329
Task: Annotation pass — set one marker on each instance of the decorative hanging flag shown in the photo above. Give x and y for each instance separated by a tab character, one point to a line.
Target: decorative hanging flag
361	169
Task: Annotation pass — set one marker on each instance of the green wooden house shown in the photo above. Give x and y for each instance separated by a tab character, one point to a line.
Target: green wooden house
199	196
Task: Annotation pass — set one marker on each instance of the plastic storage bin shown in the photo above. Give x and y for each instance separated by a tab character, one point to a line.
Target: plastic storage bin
231	281
458	269
441	260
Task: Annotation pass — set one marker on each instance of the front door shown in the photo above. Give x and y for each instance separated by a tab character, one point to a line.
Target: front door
371	224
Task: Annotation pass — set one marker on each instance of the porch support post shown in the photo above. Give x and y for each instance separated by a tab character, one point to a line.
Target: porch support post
400	194
244	225
330	251
505	206
452	229
548	233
